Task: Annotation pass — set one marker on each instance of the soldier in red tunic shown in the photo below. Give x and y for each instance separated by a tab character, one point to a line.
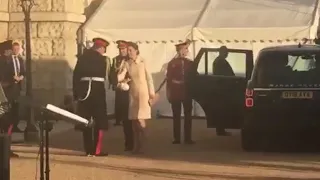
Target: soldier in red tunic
176	92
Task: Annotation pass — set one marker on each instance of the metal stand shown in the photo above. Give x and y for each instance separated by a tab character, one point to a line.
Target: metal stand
44	148
31	133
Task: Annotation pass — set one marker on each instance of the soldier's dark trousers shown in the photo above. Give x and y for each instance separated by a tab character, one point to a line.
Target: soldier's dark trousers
94	107
92	138
128	134
121	112
121	104
176	110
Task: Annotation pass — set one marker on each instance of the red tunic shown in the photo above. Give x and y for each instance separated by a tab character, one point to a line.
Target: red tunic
177	68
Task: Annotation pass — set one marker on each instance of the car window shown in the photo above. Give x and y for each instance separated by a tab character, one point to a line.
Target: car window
287	69
235	60
297	63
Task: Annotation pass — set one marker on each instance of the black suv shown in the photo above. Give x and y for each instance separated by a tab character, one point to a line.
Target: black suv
282	99
275	102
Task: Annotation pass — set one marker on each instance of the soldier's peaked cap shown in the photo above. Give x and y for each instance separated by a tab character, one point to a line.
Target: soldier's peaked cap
6	45
186	43
100	42
122	44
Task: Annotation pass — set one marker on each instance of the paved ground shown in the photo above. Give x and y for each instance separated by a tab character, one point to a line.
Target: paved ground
211	158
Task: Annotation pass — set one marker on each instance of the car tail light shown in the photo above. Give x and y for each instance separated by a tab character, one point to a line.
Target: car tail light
249	102
249	98
249	92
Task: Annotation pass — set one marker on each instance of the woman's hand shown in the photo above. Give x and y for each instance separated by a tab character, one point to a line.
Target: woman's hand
152	99
151	96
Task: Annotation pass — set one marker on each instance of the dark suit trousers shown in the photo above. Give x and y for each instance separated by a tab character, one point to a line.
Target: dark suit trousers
15	113
176	110
12	93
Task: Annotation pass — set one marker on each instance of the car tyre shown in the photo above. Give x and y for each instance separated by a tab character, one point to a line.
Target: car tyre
250	140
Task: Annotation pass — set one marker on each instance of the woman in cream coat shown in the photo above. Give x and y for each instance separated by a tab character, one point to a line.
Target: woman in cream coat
141	92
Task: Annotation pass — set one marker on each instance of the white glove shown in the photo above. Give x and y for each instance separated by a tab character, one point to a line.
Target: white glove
123	86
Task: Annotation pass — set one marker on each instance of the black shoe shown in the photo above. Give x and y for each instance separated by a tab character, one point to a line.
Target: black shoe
88	154
224	133
189	142
176	142
128	149
15	129
13	155
101	154
117	124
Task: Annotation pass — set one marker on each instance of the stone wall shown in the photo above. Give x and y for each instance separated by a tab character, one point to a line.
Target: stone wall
4	19
53	32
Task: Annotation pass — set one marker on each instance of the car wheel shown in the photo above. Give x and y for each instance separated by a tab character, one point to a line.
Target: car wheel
250	140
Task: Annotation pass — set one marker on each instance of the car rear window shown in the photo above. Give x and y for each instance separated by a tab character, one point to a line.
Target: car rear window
288	69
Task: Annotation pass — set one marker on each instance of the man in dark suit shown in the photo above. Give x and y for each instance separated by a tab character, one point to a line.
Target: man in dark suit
19	72
89	91
13	75
222	67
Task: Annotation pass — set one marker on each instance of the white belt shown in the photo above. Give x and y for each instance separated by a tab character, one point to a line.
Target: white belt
90	79
98	79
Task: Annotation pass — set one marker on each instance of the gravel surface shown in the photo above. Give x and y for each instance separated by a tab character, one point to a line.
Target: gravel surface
210	158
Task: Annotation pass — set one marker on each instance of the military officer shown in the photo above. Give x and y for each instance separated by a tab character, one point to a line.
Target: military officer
10	80
176	92
122	97
89	91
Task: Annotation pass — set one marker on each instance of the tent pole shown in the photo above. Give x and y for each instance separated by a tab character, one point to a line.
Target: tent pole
204	8
314	22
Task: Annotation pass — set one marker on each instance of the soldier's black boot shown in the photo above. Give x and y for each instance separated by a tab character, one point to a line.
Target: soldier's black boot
13	155
117	123
222	132
176	142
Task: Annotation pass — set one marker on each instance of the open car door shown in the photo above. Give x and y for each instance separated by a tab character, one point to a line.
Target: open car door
221	97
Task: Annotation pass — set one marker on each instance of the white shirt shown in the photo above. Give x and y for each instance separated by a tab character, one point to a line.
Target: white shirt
16	65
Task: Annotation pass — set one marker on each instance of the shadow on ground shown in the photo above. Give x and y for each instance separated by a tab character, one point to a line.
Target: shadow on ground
176	174
209	149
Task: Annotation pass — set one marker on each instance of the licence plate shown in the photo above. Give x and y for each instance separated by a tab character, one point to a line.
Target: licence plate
297	95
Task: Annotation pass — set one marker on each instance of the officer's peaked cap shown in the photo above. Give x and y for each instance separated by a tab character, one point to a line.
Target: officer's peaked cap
100	42
122	44
185	43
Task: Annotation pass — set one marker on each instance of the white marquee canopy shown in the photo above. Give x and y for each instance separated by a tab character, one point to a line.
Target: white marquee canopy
158	24
174	20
